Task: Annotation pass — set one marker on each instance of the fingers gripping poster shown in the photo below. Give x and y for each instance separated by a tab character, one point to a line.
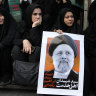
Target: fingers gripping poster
61	64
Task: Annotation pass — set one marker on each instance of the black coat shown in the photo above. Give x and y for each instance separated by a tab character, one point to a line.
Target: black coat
50	10
5	4
23	7
25	31
90	32
7	34
34	35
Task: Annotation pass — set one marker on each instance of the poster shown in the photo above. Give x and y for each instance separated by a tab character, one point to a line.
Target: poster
49	82
15	10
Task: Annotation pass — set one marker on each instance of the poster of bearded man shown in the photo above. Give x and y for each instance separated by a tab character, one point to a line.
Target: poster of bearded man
61	64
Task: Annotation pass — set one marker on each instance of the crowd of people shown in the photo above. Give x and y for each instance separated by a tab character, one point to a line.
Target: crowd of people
22	40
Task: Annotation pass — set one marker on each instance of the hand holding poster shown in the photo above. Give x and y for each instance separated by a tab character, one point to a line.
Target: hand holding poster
61	64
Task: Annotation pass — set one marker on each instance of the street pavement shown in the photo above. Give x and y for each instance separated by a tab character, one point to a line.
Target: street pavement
20	92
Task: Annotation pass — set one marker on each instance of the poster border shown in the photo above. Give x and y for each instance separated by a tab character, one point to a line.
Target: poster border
54	91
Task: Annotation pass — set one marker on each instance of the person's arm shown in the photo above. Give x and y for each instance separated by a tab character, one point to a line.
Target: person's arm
20	29
21	38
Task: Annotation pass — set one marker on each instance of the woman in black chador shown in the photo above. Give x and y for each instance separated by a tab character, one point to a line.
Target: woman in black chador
66	22
7	33
90	45
27	43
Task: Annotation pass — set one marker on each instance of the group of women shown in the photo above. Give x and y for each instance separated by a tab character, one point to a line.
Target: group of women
22	41
26	35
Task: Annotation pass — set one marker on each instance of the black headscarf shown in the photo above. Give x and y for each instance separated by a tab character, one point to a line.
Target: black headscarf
75	28
5	4
4	27
92	12
28	14
90	32
67	4
80	2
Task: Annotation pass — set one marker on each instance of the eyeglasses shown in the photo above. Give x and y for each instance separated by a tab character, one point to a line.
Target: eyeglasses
37	14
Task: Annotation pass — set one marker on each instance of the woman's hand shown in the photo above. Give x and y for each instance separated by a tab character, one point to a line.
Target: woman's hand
38	22
26	46
58	31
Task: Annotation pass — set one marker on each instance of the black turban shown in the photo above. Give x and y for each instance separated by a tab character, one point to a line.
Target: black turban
62	39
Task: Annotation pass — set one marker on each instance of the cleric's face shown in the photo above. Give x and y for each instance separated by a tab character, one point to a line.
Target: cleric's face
63	58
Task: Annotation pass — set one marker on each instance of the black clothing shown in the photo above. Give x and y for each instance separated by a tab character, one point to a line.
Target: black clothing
23	7
50	11
17	54
90	46
90	32
7	30
75	28
5	4
33	35
7	33
92	12
49	80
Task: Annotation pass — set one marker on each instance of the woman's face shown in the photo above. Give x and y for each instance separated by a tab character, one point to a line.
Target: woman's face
36	15
69	19
1	19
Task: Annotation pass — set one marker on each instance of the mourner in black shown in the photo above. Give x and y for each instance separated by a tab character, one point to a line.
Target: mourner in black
7	34
90	47
66	22
27	43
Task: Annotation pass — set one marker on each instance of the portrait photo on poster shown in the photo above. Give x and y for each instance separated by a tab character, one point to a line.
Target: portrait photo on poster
63	51
60	63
